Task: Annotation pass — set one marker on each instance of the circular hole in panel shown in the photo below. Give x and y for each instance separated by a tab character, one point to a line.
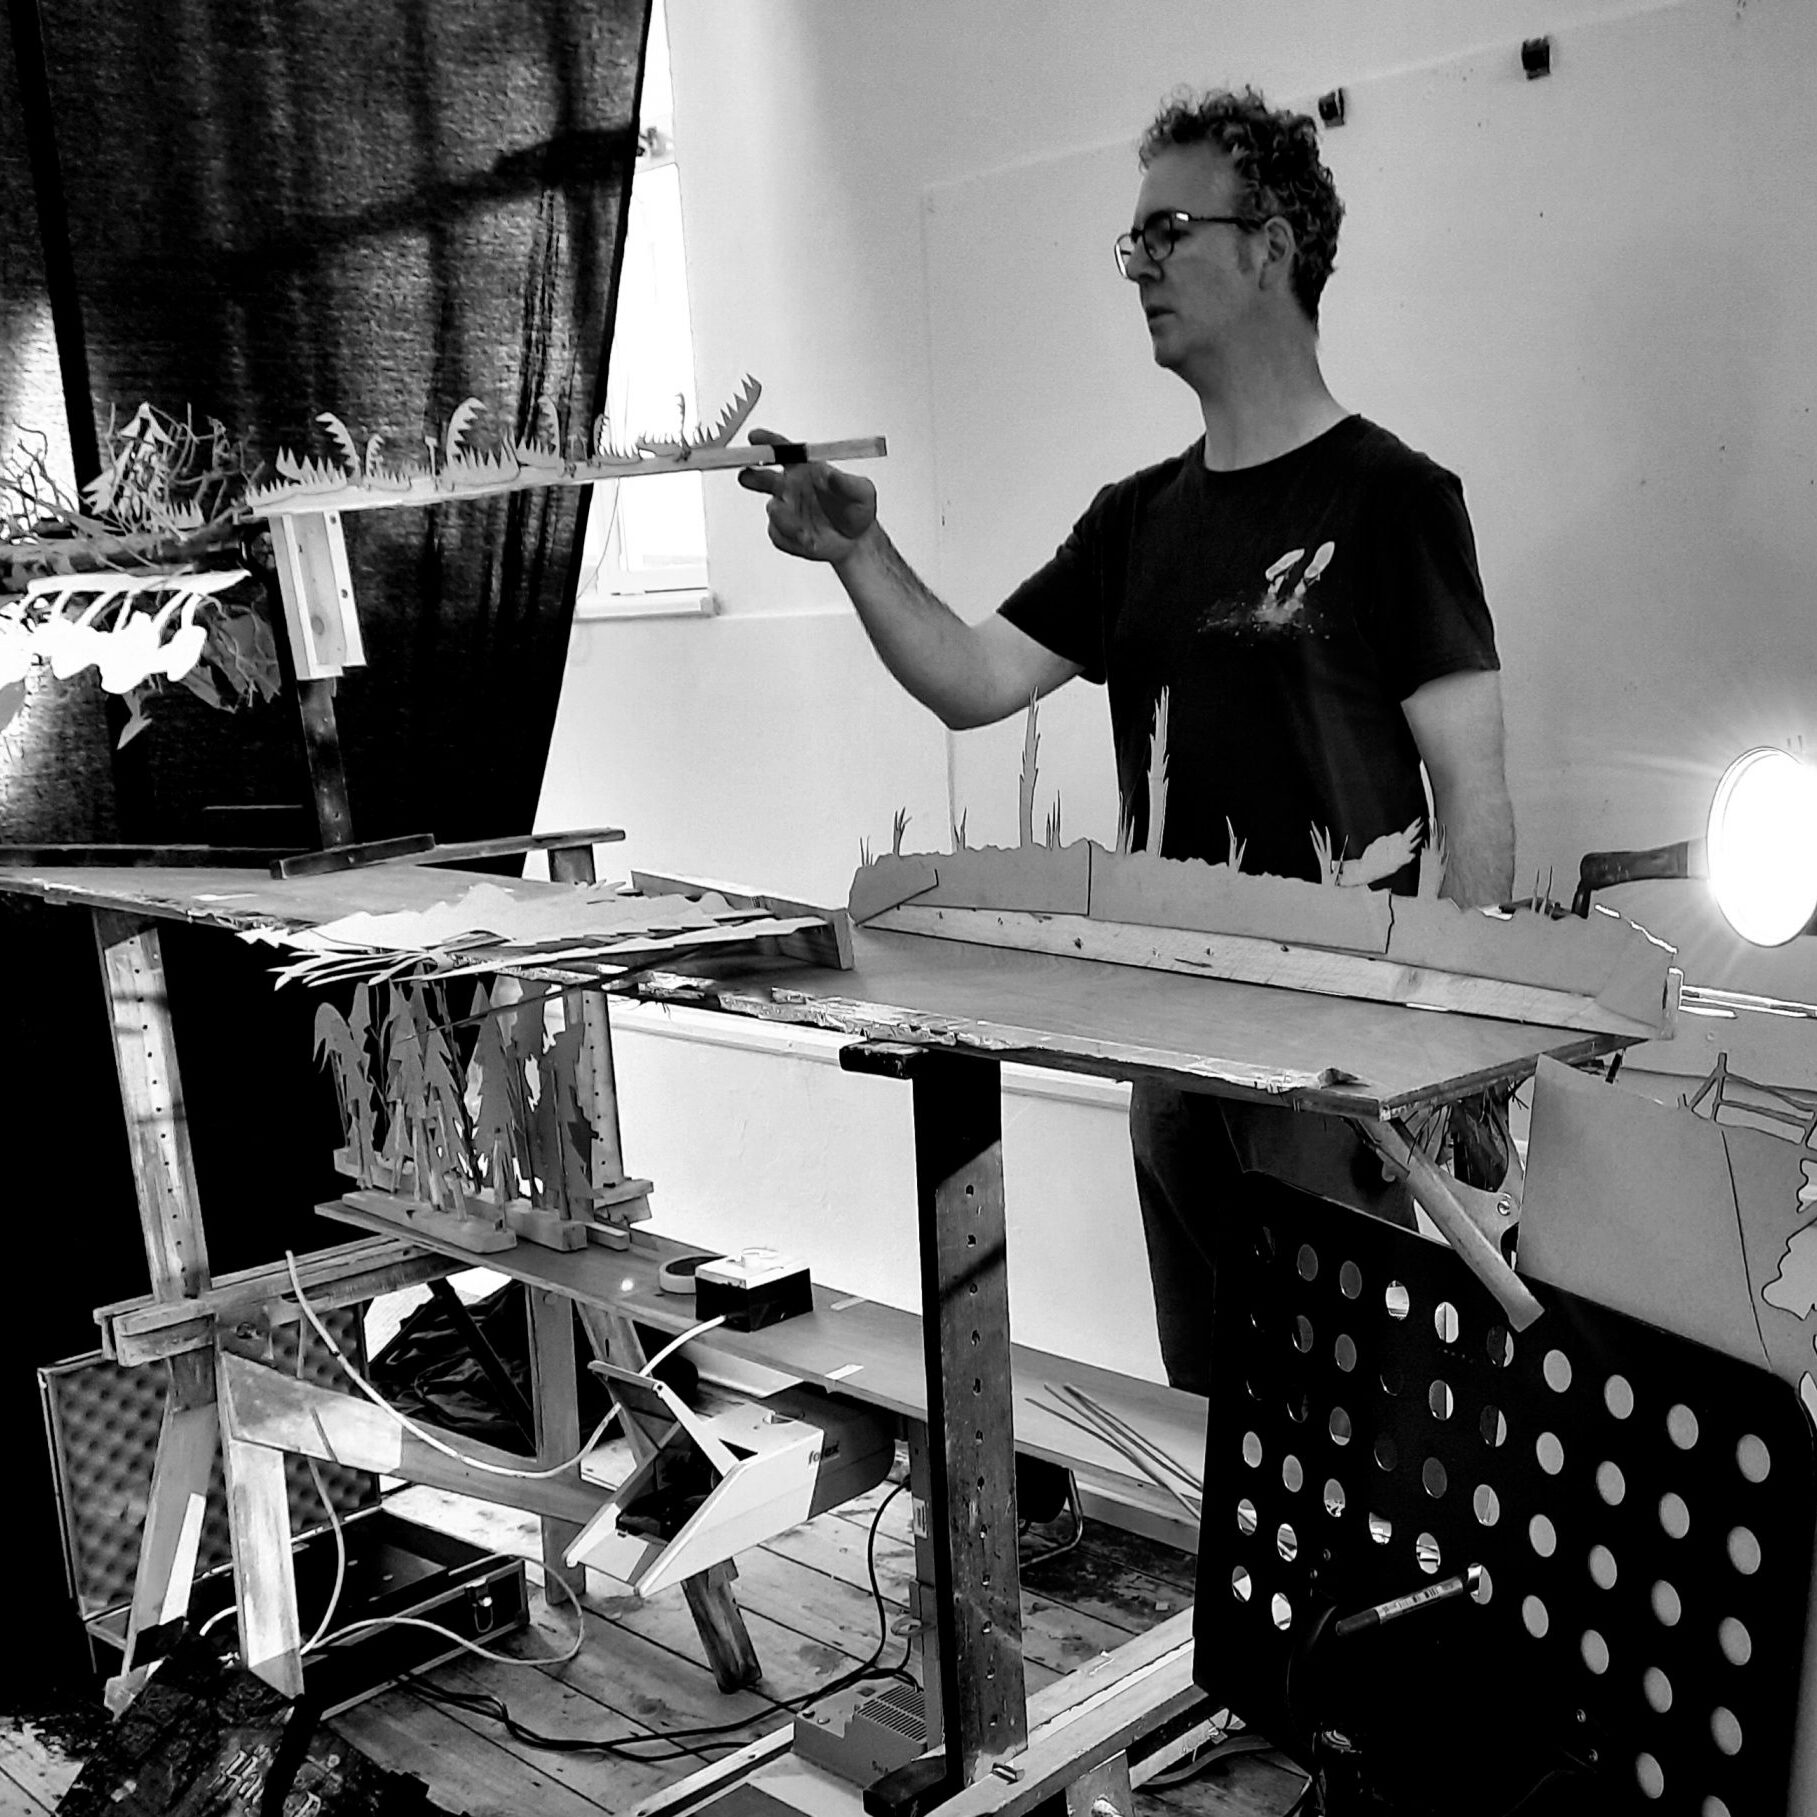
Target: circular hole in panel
1658	1689
1533	1613
1341	1430
1494	1427
1425	1549
1299	1408
1444	1322
1252	1450
1725	1730
1542	1535
1334	1496
1485	1588
1611	1485
1381	1529
1385	1454
1264	1244
1245	1517
1667	1609
1287	1543
1344	1350
1557	1371
1282	1611
1550	1452
1649	1776
1595	1651
1350	1281
1602	1567
1307	1262
1302	1334
1744	1551
1486	1505
1250	1390
1736	1642
1618	1396
1397	1300
1674	1516
1498	1346
1681	1426
1433	1477
1753	1457
1293	1478
1240	1586
1713	1807
1440	1401
1392	1383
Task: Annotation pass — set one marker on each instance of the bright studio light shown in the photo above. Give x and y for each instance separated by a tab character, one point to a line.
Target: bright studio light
1763	846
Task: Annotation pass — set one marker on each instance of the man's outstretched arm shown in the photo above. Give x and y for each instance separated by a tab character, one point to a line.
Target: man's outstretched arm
970	675
1457	724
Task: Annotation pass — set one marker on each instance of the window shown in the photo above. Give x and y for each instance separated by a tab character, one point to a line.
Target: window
646	545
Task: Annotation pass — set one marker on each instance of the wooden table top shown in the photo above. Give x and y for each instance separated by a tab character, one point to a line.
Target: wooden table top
1256	1041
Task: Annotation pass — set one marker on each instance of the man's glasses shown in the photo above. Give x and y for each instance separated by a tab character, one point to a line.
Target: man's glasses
1163	231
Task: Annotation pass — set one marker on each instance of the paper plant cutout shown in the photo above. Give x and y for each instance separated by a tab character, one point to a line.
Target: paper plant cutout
116	582
510	1125
456	465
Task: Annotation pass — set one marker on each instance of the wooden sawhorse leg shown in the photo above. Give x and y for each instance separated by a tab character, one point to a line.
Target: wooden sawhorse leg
170	1221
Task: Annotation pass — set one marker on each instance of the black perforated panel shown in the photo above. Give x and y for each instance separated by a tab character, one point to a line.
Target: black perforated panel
104	1422
1643	1509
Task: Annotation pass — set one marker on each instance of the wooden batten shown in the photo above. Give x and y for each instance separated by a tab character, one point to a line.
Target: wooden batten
264	1408
1248	960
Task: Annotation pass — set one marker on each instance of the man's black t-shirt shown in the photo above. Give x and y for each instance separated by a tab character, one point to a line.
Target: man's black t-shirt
1288	609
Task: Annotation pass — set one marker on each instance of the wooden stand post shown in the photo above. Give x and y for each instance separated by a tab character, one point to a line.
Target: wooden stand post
971	1453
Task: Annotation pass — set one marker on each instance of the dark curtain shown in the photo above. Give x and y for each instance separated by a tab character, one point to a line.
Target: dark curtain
257	211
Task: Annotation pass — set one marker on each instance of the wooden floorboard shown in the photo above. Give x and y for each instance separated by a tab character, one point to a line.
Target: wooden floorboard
34	1774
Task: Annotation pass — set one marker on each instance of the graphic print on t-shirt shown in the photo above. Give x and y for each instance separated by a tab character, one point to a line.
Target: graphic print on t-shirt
1280	607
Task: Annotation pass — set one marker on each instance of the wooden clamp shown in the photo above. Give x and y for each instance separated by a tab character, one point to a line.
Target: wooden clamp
317	587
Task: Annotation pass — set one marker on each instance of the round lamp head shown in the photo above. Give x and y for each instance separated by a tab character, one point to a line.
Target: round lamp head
1763	846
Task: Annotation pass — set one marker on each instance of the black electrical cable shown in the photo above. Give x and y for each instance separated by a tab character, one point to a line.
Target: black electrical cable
710	1735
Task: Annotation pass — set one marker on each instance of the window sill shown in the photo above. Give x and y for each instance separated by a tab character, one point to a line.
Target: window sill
682	602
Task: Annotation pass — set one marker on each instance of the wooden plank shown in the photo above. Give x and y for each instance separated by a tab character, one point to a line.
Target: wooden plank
258	1519
543	1702
269	1410
37	1774
353	857
463	1769
1085	1736
182	1473
970	1429
115	855
464	851
316	585
868	1352
151	1092
555	1402
142	1331
1081	1015
1249	960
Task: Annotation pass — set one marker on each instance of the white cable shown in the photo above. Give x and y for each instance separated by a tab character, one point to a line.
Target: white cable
674	1344
422	1432
334	1521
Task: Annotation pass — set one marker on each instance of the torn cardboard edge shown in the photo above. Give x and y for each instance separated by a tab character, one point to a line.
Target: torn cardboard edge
1613	963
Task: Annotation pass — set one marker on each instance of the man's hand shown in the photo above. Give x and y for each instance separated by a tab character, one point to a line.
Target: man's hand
816	511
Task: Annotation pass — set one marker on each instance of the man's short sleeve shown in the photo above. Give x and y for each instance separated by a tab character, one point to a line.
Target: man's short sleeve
1428	615
1064	605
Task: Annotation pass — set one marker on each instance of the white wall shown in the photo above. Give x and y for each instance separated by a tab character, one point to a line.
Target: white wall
1627	392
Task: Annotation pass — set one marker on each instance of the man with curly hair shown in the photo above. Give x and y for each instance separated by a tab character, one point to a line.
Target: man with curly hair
1294	598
